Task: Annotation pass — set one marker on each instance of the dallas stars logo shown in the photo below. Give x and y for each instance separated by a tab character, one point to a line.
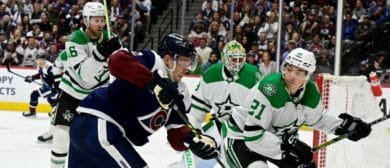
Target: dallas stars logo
68	116
269	89
225	107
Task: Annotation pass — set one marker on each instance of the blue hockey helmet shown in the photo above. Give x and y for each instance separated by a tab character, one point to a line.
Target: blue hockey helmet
175	45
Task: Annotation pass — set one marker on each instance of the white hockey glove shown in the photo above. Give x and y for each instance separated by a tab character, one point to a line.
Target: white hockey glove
355	127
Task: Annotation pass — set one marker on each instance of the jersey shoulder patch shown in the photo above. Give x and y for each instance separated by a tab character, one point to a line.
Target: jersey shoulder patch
249	75
79	37
272	87
213	74
312	96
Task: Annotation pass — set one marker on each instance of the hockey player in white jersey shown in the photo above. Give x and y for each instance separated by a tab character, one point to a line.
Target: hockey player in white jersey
265	127
223	86
85	66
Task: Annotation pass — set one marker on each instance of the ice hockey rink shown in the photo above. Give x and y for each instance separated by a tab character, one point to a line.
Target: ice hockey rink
20	149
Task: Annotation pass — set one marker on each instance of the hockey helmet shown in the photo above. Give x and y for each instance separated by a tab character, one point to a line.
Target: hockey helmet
176	45
42	55
92	9
233	57
303	59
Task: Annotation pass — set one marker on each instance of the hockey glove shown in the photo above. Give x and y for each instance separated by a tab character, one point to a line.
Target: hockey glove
106	48
355	127
295	152
202	145
166	91
28	79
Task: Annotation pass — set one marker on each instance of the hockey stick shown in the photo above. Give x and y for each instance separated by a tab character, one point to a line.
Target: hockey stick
107	19
178	111
341	137
19	75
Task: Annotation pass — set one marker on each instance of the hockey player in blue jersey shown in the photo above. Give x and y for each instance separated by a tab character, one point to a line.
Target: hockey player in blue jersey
113	119
50	76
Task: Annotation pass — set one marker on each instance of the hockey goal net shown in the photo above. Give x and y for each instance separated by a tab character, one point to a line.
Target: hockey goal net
347	94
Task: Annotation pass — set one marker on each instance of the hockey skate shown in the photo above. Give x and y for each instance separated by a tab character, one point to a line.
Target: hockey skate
30	113
46	137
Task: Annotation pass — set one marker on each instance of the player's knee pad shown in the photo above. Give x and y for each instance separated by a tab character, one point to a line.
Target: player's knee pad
61	139
258	164
34	98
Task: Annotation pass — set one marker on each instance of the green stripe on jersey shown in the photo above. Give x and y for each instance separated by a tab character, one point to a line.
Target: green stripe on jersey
253	138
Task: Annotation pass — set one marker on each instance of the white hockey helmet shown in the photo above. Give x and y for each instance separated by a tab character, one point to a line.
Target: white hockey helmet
233	57
303	59
92	9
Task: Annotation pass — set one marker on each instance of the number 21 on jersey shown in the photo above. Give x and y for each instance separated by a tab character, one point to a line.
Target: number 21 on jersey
256	109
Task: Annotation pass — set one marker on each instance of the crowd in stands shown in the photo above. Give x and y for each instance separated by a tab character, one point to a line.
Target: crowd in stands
307	24
29	27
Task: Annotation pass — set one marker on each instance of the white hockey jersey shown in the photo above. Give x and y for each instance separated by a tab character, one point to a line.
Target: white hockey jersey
83	73
270	111
218	93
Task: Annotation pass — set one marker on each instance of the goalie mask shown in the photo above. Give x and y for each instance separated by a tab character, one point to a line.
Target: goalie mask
233	57
302	59
176	45
92	9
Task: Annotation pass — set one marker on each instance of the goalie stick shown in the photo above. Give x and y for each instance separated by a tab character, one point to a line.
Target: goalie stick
341	137
19	75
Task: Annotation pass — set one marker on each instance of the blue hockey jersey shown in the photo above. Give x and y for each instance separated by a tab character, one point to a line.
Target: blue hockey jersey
134	110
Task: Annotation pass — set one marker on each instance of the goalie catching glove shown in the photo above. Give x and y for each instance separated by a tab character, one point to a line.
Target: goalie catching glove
295	152
201	145
353	126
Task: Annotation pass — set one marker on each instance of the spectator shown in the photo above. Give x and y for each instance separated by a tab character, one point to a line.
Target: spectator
377	63
252	36
10	56
6	25
52	52
29	52
208	12
122	29
290	46
359	10
270	27
203	50
257	23
327	29
213	59
215	34
251	59
246	43
315	45
267	66
214	5
26	24
73	18
35	16
364	28
349	27
263	43
3	42
197	20
308	27
145	7
35	32
45	25
197	33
